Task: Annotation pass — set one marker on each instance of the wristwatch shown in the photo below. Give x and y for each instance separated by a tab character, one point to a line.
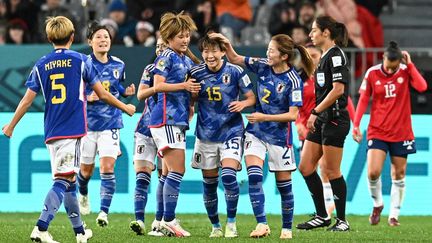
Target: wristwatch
313	112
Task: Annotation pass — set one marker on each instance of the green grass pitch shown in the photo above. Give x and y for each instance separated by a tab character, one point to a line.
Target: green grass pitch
16	227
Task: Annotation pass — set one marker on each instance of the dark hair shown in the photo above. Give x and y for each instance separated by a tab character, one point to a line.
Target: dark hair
93	27
286	46
393	52
338	31
206	42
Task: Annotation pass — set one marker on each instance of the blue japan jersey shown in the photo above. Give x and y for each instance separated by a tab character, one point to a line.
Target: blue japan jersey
218	89
102	116
275	93
60	76
172	108
150	102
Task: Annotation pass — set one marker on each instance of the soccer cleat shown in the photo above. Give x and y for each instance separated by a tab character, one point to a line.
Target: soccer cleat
374	218
102	219
340	226
138	227
84	204
286	234
173	228
393	222
80	238
231	230
261	230
155	229
41	236
216	233
315	222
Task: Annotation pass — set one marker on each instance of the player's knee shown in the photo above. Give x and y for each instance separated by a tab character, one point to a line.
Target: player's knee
374	174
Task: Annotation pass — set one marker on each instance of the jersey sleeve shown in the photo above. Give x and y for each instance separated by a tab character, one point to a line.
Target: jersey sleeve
146	77
33	81
366	87
88	72
296	94
256	65
162	65
339	68
244	82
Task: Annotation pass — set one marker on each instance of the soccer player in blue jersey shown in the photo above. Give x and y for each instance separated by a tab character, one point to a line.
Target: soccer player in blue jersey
279	92
220	129
104	122
170	116
145	152
59	75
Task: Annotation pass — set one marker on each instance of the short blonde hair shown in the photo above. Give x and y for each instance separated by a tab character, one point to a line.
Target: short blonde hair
172	24
59	30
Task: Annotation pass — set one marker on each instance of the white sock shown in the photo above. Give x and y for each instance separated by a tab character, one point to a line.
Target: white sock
396	197
375	189
328	196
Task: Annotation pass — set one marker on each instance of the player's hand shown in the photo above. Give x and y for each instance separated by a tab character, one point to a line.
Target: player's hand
224	40
301	130
406	57
130	109
256	117
311	122
130	90
92	97
192	86
7	130
236	106
357	135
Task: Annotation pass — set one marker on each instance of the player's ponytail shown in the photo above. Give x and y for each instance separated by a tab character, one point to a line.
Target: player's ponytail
338	31
306	60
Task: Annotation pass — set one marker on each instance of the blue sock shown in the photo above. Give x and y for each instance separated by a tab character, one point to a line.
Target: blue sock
256	193
107	189
170	194
53	201
287	202
159	198
72	209
232	191
141	192
83	184
210	196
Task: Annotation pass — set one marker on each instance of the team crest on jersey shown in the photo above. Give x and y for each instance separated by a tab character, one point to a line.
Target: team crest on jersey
320	79
145	75
197	158
400	80
116	73
140	149
226	78
280	87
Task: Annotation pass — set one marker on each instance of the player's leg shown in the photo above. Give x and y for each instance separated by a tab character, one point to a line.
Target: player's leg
87	158
282	162
163	172
255	151
108	144
328	192
144	155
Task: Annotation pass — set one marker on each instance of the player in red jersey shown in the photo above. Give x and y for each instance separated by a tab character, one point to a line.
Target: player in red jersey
389	126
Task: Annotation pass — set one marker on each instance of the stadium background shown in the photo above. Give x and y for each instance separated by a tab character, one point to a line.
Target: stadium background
24	161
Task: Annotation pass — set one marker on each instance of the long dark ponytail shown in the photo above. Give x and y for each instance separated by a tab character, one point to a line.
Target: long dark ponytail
338	31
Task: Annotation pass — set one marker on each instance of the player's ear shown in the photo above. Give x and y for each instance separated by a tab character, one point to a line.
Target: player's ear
71	39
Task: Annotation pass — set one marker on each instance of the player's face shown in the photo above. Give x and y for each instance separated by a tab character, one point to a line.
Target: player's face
391	66
101	41
273	54
315	54
316	35
212	56
180	42
160	46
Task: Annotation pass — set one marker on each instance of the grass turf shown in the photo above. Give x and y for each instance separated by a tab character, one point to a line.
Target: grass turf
16	227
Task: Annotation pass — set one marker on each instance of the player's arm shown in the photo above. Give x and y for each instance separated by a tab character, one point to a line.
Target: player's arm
20	111
144	91
231	54
417	80
161	86
108	98
128	91
291	115
238	106
361	109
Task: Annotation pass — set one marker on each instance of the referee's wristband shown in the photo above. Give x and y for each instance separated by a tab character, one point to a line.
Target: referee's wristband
313	112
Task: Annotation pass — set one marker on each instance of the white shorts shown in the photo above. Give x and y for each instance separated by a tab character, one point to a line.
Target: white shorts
105	143
168	136
208	155
145	152
64	155
279	158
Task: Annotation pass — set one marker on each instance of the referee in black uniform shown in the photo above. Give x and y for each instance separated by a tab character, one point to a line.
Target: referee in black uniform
328	124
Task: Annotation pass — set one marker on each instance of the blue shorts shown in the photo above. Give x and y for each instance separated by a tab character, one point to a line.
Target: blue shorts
399	149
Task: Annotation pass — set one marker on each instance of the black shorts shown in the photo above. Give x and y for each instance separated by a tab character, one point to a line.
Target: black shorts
332	133
399	149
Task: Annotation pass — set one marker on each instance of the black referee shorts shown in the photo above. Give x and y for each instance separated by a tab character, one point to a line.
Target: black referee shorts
332	133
